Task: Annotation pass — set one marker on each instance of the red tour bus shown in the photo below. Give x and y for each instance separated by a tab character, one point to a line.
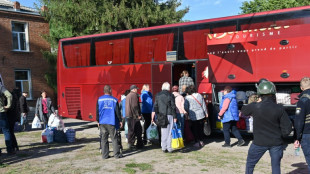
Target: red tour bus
236	51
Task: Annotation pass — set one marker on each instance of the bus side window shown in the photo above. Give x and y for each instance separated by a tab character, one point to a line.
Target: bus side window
77	54
152	47
112	51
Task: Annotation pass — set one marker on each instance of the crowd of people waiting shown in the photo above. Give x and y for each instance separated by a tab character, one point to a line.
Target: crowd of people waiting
175	105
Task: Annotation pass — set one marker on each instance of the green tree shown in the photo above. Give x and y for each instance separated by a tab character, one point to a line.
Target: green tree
267	5
70	18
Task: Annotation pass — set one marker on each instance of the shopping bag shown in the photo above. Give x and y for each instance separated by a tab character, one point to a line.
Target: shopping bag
152	133
219	124
36	124
51	120
241	124
177	139
207	127
188	132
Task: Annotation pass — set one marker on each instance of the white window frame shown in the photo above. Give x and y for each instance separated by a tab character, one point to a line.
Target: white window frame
18	37
29	97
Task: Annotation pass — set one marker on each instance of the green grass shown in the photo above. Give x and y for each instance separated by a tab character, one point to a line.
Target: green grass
129	170
204	170
3	165
130	167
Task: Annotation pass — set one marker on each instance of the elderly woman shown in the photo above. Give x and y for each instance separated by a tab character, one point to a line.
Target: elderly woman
44	108
196	108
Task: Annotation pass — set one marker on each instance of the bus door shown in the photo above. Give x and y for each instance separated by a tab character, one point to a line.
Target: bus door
160	73
179	67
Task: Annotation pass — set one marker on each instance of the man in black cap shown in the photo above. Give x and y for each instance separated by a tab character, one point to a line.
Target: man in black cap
133	115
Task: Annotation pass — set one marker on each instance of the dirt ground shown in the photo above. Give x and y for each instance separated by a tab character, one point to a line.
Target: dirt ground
83	156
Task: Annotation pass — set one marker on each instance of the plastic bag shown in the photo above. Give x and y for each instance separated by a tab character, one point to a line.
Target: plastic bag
152	133
51	120
177	139
47	136
36	124
55	121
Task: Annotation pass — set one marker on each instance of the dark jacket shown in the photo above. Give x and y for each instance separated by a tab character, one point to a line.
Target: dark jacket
165	103
302	119
39	107
270	122
132	108
23	104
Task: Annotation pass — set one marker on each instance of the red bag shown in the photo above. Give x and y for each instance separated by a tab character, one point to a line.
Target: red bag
188	132
294	98
241	124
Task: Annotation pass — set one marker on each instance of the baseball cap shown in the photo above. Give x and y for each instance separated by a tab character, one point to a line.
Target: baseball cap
133	87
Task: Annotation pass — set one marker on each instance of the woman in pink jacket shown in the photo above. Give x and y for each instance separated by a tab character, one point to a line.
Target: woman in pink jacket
179	102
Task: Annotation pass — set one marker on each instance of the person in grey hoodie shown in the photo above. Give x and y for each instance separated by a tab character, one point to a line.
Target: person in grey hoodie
196	108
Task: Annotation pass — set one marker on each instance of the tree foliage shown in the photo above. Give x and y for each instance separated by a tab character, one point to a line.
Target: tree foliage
70	18
267	5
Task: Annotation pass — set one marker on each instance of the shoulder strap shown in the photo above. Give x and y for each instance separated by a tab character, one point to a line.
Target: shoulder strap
197	100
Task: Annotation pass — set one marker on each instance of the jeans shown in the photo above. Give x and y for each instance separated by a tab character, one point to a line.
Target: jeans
23	121
305	145
147	122
180	118
226	130
4	125
256	152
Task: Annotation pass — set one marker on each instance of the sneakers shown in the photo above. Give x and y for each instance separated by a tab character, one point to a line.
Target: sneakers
197	144
165	151
226	145
241	142
201	143
118	156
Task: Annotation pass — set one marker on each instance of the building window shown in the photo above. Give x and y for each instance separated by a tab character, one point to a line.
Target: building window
23	81
20	36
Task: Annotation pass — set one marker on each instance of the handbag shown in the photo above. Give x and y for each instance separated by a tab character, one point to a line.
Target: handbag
207	127
36	124
162	120
177	139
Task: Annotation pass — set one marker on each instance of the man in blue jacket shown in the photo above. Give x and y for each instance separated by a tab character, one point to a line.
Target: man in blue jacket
109	119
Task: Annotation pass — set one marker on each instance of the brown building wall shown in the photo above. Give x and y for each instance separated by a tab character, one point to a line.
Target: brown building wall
32	60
